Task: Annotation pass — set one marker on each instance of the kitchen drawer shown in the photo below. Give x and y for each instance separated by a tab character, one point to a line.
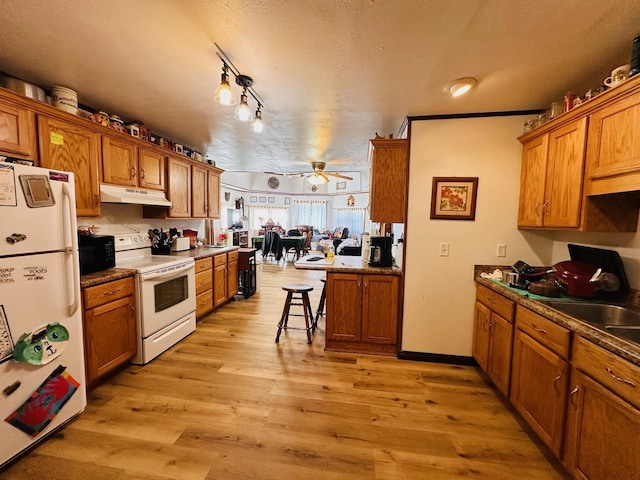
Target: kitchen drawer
204	303
553	336
496	302
204	264
233	256
615	373
219	260
107	292
204	281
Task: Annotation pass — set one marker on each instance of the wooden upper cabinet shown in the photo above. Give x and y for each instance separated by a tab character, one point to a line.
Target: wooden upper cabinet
198	191
551	178
66	146
213	194
565	169
388	180
179	188
205	200
17	132
125	164
119	162
614	147
532	181
151	169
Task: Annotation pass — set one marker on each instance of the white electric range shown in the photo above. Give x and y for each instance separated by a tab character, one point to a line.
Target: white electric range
165	295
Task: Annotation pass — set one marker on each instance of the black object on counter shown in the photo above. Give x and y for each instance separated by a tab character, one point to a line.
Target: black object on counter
607	260
635	57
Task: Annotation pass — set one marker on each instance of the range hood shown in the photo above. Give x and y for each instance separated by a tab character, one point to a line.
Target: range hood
115	194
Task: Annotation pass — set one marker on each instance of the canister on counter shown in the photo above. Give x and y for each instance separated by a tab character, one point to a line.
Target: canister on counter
569	97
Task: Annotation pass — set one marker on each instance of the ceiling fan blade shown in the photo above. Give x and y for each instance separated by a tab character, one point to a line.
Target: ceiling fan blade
339	175
298	176
275	173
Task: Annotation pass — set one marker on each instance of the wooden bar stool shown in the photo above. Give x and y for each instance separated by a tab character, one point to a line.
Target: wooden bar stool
297	294
323	297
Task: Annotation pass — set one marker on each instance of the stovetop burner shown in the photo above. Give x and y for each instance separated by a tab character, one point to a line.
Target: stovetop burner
133	250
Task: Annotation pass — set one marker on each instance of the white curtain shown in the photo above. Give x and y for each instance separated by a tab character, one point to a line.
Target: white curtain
310	212
352	218
259	215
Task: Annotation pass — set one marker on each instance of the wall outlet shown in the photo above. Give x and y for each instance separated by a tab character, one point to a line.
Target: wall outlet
501	250
444	249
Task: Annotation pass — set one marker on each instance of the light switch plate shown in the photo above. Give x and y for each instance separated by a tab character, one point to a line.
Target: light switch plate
444	249
501	250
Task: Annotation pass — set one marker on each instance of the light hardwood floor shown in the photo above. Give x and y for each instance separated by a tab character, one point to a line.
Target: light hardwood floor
228	403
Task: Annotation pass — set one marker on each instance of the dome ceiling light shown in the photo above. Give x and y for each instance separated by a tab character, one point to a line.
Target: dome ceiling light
460	86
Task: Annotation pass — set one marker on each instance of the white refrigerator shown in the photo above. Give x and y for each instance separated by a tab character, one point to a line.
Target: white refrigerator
42	373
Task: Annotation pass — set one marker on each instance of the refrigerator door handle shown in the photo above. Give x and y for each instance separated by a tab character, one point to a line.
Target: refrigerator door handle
72	250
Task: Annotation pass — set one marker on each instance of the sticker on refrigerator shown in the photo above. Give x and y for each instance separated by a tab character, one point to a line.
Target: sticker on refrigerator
34	273
33	416
6	275
6	343
7	186
42	345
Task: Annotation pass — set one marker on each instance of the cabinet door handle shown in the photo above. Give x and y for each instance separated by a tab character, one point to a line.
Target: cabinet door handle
96	200
619	379
538	208
572	395
111	292
539	330
545	210
555	381
142	174
133	172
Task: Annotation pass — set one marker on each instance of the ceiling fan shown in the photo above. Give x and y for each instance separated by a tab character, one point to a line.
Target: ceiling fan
317	177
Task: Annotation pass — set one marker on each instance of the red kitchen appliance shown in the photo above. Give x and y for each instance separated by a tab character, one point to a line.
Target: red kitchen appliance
591	272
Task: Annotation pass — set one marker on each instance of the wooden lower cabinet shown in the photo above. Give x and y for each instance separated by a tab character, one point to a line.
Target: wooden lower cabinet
539	376
204	286
219	280
232	274
362	313
493	336
109	327
603	422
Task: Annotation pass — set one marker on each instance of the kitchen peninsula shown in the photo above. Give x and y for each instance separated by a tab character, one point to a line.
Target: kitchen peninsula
363	304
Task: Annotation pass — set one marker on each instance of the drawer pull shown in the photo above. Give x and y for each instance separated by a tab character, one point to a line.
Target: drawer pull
491	300
618	379
111	292
539	330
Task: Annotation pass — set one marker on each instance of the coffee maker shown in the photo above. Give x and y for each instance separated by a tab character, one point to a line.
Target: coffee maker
380	255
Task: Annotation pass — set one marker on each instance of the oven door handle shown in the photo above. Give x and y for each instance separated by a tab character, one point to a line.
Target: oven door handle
168	275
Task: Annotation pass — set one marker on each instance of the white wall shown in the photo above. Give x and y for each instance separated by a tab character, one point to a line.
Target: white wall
440	291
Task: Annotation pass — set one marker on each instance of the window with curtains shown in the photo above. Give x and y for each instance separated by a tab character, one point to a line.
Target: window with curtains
260	215
310	212
352	218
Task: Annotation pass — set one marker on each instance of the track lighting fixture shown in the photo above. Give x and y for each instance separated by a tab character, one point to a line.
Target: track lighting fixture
224	94
257	125
243	110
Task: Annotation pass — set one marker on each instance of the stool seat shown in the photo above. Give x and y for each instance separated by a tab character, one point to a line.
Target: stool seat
297	287
299	292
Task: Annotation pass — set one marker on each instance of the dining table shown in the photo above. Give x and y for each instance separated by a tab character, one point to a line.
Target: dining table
295	242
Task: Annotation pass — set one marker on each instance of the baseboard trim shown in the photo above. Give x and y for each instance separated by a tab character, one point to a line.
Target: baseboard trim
437	358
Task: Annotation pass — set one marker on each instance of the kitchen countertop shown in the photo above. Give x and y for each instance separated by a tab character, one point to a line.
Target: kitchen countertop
624	349
104	276
344	264
204	252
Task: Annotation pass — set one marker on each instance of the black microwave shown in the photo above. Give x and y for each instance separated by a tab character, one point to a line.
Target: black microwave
97	252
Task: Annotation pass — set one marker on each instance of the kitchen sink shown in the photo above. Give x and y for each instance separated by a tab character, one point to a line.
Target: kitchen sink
623	322
600	314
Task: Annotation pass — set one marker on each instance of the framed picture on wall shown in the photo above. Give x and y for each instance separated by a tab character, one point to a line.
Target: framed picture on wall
287	200
272	199
341	186
253	199
263	199
454	198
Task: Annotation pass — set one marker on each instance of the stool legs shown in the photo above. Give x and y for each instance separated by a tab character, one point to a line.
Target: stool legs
308	314
321	304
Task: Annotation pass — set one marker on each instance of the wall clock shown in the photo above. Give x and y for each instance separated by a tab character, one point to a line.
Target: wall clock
273	183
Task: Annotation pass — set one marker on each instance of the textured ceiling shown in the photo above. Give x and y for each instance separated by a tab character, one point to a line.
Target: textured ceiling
331	73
